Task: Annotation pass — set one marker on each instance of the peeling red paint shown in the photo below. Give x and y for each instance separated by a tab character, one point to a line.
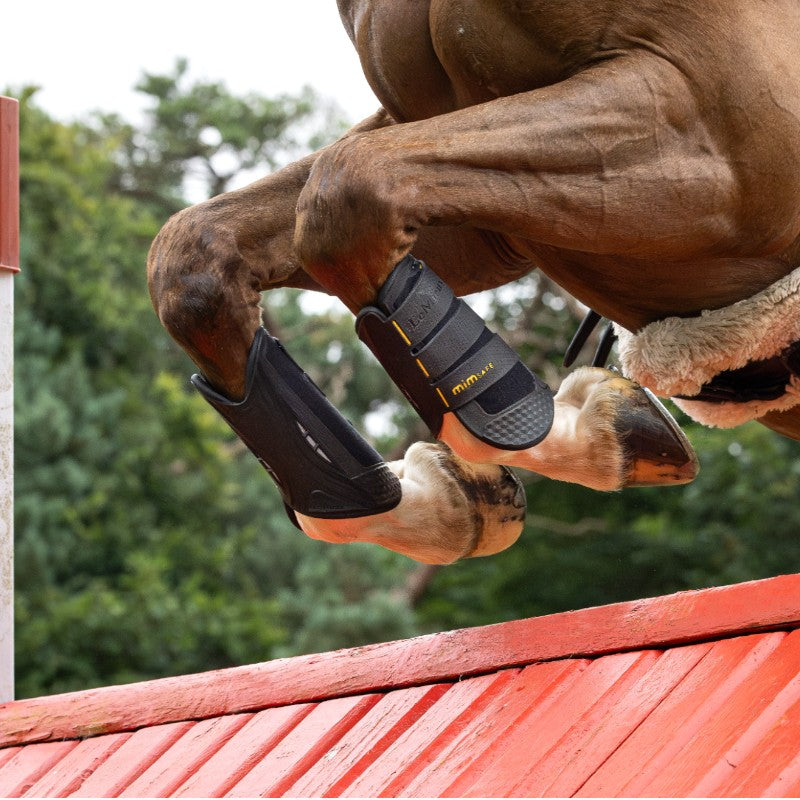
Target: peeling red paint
669	712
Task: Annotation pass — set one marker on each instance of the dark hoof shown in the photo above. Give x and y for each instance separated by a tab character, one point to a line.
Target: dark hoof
496	499
657	452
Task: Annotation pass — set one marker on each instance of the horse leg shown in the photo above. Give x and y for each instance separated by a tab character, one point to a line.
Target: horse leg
607	433
209	264
206	270
570	166
450	509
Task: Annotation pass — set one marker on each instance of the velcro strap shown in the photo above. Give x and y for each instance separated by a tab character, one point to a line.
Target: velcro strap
448	345
443	358
423	309
477	373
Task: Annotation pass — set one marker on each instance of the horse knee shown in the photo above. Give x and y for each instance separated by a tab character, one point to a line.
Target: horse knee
203	296
353	224
191	308
181	272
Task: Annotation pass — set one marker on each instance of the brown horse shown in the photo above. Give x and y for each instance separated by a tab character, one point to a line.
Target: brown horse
645	155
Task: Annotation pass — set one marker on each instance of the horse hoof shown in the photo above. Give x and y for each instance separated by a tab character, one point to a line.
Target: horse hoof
656	452
496	499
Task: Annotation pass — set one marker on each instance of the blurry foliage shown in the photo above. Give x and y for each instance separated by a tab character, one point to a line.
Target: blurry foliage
150	543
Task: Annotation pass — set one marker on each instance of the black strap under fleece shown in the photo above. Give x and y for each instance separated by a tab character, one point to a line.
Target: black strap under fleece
762	380
443	358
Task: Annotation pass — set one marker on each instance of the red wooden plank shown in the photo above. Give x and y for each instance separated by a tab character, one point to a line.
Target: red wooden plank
787	784
242	752
532	687
401	762
768	767
131	760
608	723
677	619
7	754
303	746
653	747
366	741
28	764
761	730
753	696
76	766
446	737
535	733
186	756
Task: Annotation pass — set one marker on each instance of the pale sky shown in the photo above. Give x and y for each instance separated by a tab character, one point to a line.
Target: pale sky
88	55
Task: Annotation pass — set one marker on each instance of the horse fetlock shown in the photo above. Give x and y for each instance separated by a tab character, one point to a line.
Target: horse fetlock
471	509
449	510
496	499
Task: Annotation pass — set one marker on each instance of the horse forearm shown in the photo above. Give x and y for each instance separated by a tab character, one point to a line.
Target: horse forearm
617	160
210	262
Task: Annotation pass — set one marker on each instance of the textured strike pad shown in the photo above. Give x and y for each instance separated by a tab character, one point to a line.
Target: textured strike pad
321	464
443	358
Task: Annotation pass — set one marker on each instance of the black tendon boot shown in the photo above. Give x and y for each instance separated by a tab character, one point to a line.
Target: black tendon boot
321	464
443	358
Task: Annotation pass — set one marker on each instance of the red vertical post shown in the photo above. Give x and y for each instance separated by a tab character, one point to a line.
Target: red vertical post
9	184
9	264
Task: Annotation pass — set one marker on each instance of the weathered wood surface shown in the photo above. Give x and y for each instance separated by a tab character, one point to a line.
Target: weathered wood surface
305	745
175	767
654	747
28	764
367	741
127	763
676	619
67	775
409	752
710	719
242	752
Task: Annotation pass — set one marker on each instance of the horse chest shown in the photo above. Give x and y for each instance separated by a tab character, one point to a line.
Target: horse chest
427	57
492	49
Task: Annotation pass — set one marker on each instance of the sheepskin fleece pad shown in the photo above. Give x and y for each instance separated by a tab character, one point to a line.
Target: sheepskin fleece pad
677	355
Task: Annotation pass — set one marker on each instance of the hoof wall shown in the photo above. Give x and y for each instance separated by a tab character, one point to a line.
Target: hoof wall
657	452
496	499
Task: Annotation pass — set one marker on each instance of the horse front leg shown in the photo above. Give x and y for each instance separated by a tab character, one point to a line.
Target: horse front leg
570	166
608	433
206	270
450	509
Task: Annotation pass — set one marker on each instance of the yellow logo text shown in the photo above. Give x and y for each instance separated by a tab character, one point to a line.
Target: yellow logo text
472	379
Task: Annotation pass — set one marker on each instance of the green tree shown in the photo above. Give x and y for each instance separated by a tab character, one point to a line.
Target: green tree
197	137
149	542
